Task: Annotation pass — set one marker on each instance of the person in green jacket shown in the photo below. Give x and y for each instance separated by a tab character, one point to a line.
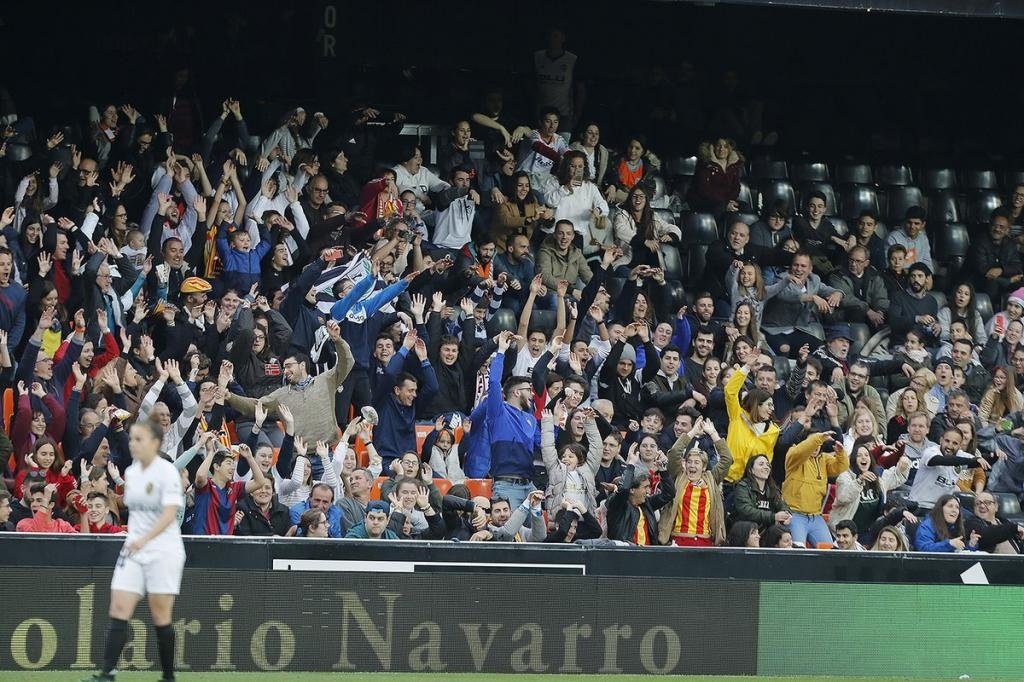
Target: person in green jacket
757	498
376	526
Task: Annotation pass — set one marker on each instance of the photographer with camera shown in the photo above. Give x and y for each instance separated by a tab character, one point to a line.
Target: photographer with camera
809	465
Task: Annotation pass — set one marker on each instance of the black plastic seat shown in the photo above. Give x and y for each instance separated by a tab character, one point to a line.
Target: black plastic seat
942	207
748	218
831	207
853	174
696	262
856	198
899	199
952	241
936	178
768	169
842	228
803	172
681	166
673	262
502	319
893	176
940	298
770	191
860	333
699	228
746	196
544	320
1012	178
983	304
614	286
980	206
1009	505
782	367
979	179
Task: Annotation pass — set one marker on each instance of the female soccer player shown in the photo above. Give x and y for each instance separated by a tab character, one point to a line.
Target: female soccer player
153	556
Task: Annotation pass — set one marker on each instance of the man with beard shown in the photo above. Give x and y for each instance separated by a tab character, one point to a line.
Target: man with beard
794	316
915	309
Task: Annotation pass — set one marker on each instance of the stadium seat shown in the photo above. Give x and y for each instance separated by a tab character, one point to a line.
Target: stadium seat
375	488
681	166
936	178
951	242
842	229
699	228
808	172
745	196
1009	507
614	286
1012	178
479	487
856	198
893	176
673	263
940	298
695	263
861	333
17	151
767	169
830	196
983	304
881	230
942	207
980	206
782	367
748	218
660	189
422	430
979	179
502	319
443	485
673	298
898	200
769	191
853	174
966	500
665	215
544	320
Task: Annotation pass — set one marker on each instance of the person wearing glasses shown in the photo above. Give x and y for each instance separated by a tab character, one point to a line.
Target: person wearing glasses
865	298
855	389
998	536
994	261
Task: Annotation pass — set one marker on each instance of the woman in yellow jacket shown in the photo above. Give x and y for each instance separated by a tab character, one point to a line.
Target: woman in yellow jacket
751	429
809	465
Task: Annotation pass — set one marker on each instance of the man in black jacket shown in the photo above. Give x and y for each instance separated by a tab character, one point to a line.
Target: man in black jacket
914	308
737	247
668	389
631	508
994	262
998	536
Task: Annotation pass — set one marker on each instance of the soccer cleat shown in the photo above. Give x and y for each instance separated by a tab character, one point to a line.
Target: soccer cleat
100	677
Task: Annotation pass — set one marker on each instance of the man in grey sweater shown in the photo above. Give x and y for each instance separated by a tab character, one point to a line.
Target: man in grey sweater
311	399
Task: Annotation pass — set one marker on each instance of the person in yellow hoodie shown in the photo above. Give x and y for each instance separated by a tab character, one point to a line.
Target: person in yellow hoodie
809	465
751	429
697	515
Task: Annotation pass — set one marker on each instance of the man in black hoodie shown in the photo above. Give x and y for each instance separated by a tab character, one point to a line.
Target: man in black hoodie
631	508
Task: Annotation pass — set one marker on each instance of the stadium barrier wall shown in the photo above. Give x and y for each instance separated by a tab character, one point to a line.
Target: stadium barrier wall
296	605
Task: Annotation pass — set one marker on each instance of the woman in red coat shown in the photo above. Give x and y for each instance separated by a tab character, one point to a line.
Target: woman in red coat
716	186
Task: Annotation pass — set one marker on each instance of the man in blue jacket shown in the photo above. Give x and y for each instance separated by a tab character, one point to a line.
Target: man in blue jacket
397	399
513	430
320	497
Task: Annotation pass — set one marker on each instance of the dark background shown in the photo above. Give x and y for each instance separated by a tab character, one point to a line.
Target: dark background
836	82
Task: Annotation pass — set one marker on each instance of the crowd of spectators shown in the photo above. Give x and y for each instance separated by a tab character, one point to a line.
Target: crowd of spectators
291	315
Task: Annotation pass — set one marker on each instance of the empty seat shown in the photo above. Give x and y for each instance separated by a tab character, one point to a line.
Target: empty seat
981	204
860	333
893	176
658	184
899	199
745	196
853	174
770	191
1012	178
16	151
672	261
665	215
699	228
983	304
677	166
951	242
979	179
942	207
782	367
502	319
940	298
966	500
696	262
936	178
1009	506
767	169
856	198
673	297
830	196
808	172
479	487
544	320
748	218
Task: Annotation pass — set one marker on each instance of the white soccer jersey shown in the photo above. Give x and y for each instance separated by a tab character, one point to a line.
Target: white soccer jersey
147	490
554	80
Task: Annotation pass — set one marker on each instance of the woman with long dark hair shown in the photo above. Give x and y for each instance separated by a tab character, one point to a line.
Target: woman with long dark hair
943	529
861	490
757	498
640	233
963	306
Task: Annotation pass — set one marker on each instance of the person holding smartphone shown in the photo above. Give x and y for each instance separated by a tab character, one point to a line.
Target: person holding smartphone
809	465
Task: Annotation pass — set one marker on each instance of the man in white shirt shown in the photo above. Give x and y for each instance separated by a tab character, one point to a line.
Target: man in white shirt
457	206
541	149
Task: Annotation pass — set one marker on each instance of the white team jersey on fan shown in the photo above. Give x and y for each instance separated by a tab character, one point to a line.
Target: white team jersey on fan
147	490
554	80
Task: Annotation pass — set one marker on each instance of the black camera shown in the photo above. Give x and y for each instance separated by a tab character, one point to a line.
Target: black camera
830	445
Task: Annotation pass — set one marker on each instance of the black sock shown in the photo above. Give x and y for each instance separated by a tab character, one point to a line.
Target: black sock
117	635
165	645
